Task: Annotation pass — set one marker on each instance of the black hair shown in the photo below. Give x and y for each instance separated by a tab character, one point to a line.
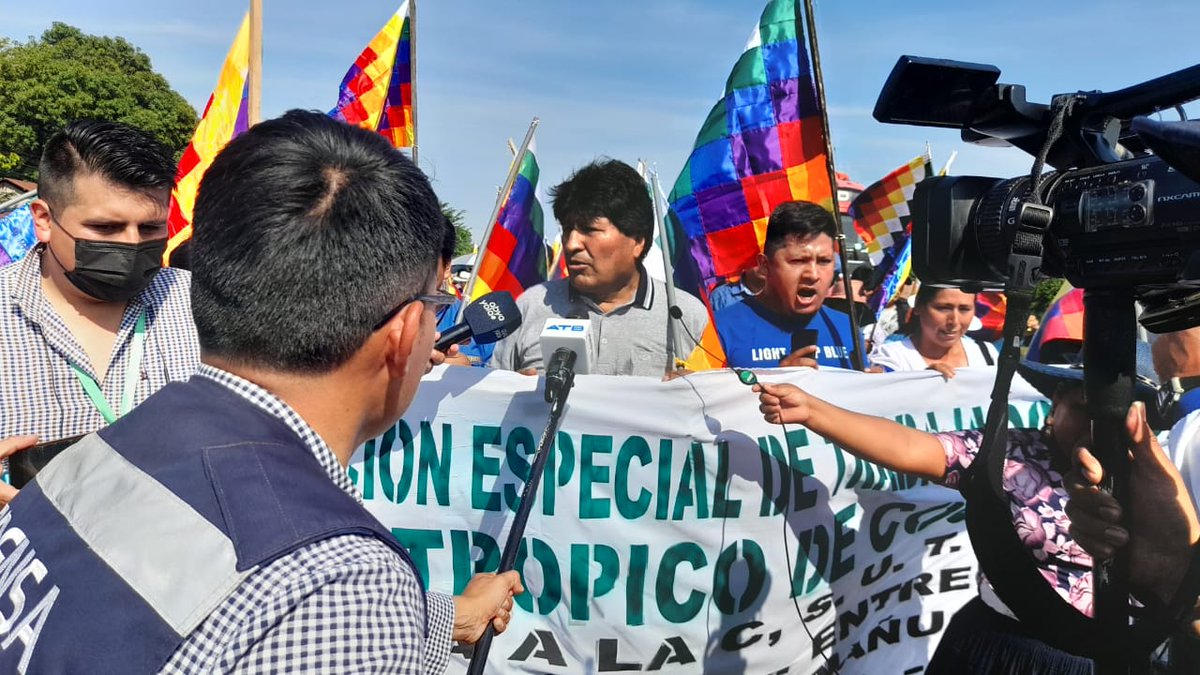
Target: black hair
925	295
307	232
119	153
799	219
610	189
449	241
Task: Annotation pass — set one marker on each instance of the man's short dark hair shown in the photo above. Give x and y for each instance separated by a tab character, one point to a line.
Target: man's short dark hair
797	219
307	231
606	188
119	153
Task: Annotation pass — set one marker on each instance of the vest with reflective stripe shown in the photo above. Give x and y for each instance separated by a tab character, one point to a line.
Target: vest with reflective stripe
126	542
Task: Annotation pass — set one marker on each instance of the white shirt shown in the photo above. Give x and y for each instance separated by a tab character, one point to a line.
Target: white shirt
1181	446
903	355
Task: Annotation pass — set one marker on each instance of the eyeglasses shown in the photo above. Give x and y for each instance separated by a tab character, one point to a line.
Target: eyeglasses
438	299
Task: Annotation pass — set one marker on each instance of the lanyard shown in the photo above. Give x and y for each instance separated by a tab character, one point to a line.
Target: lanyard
132	372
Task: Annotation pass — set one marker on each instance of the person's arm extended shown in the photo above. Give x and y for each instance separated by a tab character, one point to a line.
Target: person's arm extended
874	439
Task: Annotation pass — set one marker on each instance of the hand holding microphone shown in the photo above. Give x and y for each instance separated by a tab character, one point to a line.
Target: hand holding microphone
489	319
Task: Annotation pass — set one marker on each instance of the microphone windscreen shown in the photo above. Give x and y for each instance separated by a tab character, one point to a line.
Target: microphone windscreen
492	317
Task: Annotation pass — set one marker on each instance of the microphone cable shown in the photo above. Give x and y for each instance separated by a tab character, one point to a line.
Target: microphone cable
748	378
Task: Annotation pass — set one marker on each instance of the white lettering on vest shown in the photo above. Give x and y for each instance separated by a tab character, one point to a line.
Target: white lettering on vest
835	352
19	564
768	353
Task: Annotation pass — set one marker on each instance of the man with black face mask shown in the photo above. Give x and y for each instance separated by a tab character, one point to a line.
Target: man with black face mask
91	323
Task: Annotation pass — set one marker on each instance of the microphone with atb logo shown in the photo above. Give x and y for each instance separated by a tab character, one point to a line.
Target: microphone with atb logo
490	318
566	348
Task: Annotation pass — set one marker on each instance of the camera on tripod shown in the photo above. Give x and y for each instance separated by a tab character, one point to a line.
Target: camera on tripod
1121	216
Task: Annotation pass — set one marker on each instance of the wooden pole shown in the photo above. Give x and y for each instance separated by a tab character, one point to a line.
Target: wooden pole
469	288
254	97
856	356
412	60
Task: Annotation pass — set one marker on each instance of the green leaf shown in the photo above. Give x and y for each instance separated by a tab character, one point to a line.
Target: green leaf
48	82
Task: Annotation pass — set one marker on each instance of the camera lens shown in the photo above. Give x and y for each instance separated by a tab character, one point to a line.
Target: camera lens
1136	194
1137	213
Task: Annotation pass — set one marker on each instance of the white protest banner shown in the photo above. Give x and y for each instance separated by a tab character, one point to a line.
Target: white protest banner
677	531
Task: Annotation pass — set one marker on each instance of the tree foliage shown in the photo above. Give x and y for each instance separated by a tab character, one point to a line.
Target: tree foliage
458	218
1043	295
65	75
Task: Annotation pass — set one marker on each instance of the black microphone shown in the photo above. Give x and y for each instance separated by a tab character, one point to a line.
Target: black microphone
804	337
488	319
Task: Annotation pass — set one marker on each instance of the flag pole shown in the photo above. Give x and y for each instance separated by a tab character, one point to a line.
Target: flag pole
949	162
675	350
469	289
412	64
19	200
254	95
856	355
557	256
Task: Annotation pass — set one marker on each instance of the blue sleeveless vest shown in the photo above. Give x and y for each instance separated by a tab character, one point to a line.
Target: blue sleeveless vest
126	542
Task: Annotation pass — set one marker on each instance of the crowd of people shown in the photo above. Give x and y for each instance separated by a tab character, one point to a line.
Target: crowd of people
228	401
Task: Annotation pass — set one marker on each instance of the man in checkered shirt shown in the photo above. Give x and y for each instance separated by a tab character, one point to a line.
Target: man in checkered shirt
214	528
71	309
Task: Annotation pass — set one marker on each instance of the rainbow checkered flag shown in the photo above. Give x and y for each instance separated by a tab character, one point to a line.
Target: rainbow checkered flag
761	145
514	256
884	223
376	93
225	116
881	214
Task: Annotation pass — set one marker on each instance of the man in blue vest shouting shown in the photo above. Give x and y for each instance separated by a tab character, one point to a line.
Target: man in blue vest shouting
788	324
214	527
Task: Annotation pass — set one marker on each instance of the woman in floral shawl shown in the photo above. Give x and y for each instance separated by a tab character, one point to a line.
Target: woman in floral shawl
985	636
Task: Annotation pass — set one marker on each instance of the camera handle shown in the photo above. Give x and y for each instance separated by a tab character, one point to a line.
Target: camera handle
1109	370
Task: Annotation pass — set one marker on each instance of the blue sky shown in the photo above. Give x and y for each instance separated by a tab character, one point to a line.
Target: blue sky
634	79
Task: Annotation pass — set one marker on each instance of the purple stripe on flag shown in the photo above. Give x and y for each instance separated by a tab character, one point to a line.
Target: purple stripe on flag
395	95
723	207
757	152
346	97
517	217
401	72
242	122
786	101
702	259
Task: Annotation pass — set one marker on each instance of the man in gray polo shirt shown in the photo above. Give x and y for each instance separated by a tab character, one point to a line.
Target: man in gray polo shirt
608	223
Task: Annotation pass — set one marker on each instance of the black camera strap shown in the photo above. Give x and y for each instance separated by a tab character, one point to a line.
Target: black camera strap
1005	560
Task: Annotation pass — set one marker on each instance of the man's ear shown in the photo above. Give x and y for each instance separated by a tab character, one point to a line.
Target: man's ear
401	334
41	219
640	247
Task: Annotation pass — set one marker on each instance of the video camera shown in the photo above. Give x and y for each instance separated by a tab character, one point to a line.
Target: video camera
1122	217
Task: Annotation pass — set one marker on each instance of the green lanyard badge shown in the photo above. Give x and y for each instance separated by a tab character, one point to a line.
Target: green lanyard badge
132	372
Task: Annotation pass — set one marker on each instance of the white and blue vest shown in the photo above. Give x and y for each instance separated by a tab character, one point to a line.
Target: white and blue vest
126	542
